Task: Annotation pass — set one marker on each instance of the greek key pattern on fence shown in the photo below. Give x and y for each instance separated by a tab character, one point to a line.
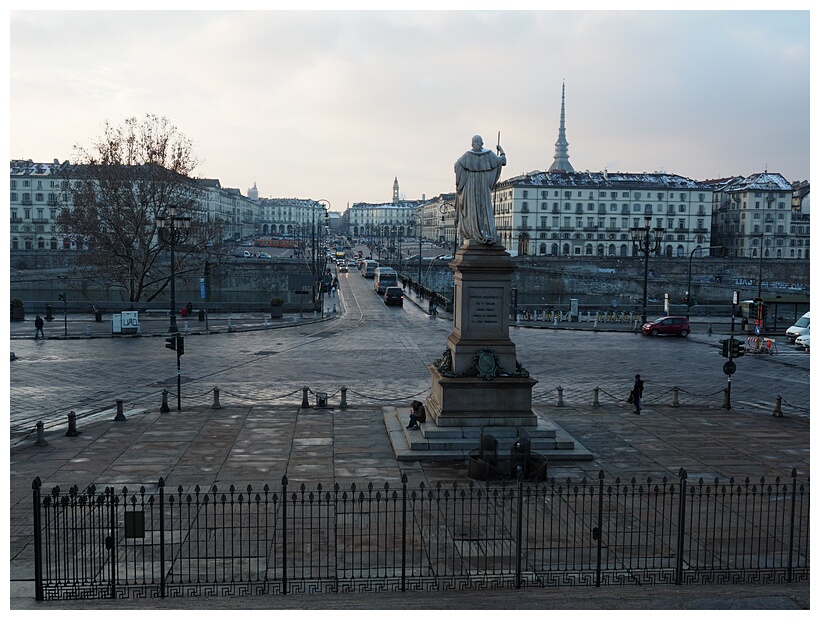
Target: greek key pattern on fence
209	542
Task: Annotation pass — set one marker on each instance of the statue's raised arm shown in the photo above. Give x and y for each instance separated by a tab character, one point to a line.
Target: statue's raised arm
477	172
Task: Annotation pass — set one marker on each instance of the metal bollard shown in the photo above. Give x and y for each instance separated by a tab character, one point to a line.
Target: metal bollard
595	402
778	412
41	436
266	322
343	403
216	404
675	401
595	324
560	391
72	425
120	414
305	402
88	330
164	408
230	325
185	327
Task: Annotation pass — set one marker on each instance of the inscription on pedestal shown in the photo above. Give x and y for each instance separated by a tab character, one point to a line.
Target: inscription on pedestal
485	307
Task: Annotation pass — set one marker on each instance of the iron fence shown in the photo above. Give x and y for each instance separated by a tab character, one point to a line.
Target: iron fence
195	541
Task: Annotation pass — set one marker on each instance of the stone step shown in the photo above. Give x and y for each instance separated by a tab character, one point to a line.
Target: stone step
457	443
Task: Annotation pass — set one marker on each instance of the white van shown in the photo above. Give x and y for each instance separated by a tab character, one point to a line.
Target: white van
799	328
384	277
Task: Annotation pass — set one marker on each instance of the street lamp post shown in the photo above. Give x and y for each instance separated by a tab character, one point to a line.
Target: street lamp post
646	241
175	229
443	209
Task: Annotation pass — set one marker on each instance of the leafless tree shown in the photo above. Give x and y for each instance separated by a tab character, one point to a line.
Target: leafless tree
118	187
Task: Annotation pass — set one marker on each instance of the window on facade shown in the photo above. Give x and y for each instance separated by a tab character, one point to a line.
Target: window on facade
27	214
682	209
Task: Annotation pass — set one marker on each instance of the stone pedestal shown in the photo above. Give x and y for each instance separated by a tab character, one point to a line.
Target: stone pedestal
478	380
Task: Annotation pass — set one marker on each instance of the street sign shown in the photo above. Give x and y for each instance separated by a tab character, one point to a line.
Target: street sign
729	368
202	288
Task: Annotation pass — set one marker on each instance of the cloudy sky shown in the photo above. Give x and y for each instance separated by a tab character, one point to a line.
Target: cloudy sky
334	105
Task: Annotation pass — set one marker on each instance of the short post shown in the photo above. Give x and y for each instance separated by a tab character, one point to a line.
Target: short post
595	402
164	408
305	402
555	322
560	391
710	329
88	330
266	322
72	425
120	414
778	412
216	404
595	324
185	327
230	325
343	403
41	436
675	402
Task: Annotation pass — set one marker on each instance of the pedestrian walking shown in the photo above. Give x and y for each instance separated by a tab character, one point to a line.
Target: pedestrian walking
38	327
333	291
636	394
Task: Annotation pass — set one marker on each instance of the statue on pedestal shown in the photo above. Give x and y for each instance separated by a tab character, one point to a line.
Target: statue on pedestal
477	172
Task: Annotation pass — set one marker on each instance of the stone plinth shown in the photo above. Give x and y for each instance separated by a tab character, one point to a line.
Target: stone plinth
473	401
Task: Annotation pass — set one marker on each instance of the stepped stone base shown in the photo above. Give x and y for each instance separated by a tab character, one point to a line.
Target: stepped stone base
436	443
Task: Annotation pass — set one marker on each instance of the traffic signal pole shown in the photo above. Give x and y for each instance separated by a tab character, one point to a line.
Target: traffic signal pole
177	343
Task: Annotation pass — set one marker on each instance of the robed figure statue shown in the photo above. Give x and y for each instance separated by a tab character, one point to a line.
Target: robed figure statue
477	172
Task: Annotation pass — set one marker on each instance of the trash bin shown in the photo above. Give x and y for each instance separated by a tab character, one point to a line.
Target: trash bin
98	316
183	312
49	313
201	314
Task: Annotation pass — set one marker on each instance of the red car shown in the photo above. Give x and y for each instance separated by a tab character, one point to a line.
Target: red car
667	326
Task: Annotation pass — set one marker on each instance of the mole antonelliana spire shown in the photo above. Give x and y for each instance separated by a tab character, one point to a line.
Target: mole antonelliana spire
561	161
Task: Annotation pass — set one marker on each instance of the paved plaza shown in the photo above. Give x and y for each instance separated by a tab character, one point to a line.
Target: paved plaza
380	356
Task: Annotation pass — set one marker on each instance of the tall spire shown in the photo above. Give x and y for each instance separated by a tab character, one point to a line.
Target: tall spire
561	161
396	191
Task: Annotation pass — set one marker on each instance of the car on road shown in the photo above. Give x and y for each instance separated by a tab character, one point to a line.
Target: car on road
802	342
343	268
667	326
445	257
393	296
263	255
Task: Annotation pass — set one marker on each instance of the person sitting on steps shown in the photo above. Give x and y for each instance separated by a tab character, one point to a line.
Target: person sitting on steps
417	414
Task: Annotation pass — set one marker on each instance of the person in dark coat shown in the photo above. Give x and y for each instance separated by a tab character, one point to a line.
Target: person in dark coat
417	414
38	327
637	394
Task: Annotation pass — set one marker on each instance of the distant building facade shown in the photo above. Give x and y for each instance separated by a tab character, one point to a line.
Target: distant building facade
762	215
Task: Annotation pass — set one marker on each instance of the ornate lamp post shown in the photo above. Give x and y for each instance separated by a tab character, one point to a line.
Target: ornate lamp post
417	226
443	208
318	264
646	240
172	229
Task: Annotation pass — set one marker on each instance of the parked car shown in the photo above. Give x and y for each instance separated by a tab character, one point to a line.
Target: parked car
802	342
798	329
246	254
393	296
667	326
264	255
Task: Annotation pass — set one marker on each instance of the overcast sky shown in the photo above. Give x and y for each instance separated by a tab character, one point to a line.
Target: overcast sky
334	105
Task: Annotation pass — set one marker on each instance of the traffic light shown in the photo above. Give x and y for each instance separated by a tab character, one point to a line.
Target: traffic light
724	344
62	296
176	343
738	350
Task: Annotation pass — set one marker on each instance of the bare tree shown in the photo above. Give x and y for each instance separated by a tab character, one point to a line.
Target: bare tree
132	174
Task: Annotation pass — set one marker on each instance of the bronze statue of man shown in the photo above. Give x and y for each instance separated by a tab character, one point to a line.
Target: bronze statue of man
477	172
